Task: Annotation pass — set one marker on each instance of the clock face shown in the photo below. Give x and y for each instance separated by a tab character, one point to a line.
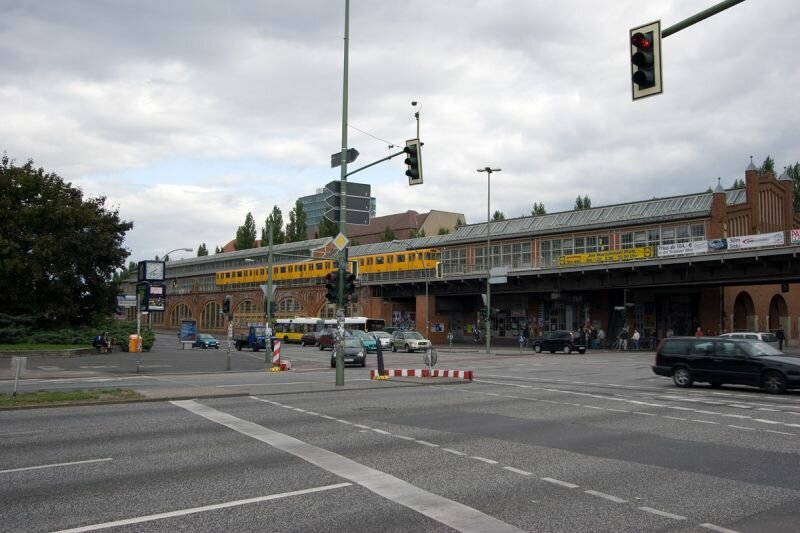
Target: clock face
154	270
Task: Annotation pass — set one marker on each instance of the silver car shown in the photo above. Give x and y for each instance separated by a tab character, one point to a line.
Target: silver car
409	341
382	337
767	337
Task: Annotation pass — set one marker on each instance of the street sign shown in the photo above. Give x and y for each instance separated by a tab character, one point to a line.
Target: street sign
353	189
352	217
354	203
498	272
497	280
336	159
264	288
340	241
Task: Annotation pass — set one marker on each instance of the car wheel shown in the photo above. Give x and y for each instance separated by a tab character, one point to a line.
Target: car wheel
364	363
321	347
774	383
682	377
581	352
394	348
408	349
552	351
537	349
216	347
238	347
567	349
303	343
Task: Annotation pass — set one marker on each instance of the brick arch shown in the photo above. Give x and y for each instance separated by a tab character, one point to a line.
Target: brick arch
744	313
211	316
778	313
178	313
288	307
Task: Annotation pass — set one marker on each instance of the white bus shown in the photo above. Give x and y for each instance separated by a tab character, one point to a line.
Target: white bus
364	324
292	329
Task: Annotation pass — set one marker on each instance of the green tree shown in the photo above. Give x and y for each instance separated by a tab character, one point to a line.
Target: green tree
498	216
443	231
417	233
767	166
794	172
388	234
538	210
326	228
582	203
121	275
297	229
246	234
738	184
459	222
58	250
278	235
218	250
202	250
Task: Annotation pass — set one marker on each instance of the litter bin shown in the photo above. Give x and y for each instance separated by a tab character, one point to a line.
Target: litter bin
134	343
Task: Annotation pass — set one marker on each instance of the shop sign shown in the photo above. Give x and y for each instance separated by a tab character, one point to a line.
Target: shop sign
796	236
683	248
608	256
755	241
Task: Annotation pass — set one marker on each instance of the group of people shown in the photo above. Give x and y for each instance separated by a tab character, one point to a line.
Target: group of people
104	342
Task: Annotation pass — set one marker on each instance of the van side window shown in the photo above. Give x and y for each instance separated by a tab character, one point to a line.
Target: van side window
701	348
727	349
675	347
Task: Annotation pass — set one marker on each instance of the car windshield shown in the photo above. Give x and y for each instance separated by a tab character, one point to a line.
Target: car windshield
358	333
352	342
758	348
203	336
412	335
381	335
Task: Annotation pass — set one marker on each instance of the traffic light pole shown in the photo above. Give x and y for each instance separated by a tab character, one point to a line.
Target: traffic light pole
340	307
694	19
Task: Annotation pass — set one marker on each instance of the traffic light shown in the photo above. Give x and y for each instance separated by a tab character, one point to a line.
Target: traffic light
413	160
226	306
645	42
484	312
332	286
349	284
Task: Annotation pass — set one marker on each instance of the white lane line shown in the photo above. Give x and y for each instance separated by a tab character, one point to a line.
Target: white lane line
676	418
404	437
313	413
344	421
362	426
484	460
450	513
662	513
718	529
265	384
643	413
56	464
382	432
765	421
706	422
777	432
194	510
559	482
605	496
517	471
454	452
329	417
426	443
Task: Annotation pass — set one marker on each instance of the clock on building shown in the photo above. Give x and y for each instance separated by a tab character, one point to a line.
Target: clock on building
151	271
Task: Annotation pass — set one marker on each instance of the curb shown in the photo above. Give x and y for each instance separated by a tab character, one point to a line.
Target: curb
422	373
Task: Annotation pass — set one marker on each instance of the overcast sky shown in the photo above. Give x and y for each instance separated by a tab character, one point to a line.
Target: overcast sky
187	115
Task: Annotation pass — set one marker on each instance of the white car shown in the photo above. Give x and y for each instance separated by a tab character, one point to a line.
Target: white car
409	341
382	337
767	337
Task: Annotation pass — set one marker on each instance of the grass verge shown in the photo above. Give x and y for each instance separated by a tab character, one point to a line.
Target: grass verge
39	347
67	397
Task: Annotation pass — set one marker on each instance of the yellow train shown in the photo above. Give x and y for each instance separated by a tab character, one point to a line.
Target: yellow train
313	270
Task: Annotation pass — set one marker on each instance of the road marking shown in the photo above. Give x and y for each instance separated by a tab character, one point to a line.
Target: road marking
272	384
765	421
676	418
706	422
450	513
362	426
605	496
484	460
382	432
718	529
517	471
426	443
559	482
662	513
56	464
329	417
194	510
777	432
454	452
404	437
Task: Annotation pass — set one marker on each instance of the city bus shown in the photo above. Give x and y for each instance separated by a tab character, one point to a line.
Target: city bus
292	329
364	324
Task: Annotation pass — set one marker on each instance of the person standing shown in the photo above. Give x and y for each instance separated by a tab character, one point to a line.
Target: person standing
781	337
635	339
699	332
601	338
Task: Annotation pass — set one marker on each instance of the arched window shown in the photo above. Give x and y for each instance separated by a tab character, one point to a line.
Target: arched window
327	311
180	312
211	316
246	306
156	318
289	307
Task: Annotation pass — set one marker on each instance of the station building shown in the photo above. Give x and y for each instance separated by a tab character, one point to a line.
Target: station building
564	270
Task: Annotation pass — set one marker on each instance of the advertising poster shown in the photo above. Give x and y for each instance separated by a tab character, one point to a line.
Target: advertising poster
188	330
755	241
683	248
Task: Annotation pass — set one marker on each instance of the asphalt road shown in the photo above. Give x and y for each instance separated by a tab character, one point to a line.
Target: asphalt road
545	443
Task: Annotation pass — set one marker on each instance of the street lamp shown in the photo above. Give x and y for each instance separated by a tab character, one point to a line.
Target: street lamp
416	115
178	250
488	171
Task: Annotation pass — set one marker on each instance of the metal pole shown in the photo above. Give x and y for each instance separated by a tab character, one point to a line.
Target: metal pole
488	171
694	19
269	278
343	203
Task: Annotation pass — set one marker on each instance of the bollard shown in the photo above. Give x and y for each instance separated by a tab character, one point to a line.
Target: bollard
379	355
276	353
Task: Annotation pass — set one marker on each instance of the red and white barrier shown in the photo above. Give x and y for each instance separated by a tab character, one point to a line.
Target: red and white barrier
276	353
423	373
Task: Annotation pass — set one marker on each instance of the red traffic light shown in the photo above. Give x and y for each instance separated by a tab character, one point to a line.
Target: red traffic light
640	41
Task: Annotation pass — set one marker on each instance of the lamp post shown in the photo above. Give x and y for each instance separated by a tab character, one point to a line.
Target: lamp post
178	250
488	171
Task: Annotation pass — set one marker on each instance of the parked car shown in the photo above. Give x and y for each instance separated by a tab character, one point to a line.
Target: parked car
767	337
369	342
310	338
204	340
559	340
327	339
718	360
409	341
391	329
354	352
382	337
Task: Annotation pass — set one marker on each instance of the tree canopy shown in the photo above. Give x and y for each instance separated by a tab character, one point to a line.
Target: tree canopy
246	234
297	228
202	250
278	235
582	203
326	228
388	234
58	250
538	209
498	216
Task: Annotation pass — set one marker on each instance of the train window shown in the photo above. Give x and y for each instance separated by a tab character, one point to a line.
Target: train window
283	270
239	274
401	258
379	260
390	259
361	262
427	256
369	261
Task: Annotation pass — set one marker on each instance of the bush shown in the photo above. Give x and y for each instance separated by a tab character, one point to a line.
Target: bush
18	330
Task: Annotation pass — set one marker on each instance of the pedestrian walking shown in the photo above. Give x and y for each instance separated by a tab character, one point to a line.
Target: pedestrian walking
601	338
635	338
781	337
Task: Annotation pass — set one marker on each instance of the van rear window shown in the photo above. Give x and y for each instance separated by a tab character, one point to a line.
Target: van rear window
675	346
